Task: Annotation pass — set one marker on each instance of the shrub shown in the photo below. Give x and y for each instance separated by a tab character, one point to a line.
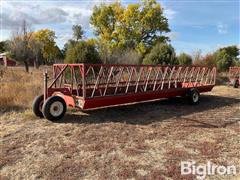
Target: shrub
120	56
226	57
184	59
161	53
209	60
223	60
81	52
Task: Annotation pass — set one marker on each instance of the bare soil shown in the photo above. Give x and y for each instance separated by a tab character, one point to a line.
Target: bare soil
140	141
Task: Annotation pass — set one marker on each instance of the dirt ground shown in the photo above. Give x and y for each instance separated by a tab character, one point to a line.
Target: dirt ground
141	141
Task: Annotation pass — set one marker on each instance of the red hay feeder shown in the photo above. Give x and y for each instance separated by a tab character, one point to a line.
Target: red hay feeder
89	86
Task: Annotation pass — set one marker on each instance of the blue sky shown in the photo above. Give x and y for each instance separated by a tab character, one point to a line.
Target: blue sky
195	25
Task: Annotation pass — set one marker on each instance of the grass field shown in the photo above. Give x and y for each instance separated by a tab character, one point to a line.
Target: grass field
141	141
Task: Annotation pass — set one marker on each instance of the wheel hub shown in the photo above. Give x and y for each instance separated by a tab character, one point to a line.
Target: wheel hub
56	108
195	97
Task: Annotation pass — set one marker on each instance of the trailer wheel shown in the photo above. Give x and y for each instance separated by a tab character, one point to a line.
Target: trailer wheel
37	106
193	96
235	83
54	108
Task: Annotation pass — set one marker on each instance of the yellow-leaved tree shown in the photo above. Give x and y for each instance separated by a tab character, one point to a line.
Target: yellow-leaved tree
138	26
49	49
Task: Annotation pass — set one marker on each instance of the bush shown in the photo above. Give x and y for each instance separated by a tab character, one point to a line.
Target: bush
209	60
226	57
223	60
161	53
81	52
120	56
237	62
184	59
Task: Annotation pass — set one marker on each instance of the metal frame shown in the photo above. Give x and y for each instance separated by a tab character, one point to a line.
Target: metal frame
234	74
88	86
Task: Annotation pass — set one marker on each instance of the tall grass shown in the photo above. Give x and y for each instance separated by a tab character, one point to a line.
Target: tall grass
18	88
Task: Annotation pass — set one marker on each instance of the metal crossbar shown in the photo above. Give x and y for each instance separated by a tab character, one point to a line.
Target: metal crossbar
234	72
94	80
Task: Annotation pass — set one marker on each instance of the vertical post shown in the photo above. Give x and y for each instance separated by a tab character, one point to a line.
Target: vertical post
84	81
71	68
45	79
54	75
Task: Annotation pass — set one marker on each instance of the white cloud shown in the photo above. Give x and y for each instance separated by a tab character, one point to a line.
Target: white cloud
169	13
52	15
173	35
56	15
64	37
222	28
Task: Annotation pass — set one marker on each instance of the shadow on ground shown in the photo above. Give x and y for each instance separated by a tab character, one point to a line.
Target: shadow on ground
151	112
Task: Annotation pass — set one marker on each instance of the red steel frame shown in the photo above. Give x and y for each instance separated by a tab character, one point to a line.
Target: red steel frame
234	74
88	86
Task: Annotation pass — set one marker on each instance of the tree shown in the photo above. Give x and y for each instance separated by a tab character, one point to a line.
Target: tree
46	38
81	52
138	26
58	55
224	60
232	51
209	60
77	32
2	46
66	45
226	57
19	46
197	57
184	59
161	53
36	46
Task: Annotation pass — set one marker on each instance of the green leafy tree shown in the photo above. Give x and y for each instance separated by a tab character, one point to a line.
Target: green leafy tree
77	32
184	59
224	60
232	51
226	57
161	53
138	26
66	45
2	46
81	52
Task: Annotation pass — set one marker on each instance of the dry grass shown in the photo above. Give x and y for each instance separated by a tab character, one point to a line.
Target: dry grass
143	141
18	88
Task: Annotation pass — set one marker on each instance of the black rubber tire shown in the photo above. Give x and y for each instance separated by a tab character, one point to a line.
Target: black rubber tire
193	96
37	106
47	105
236	83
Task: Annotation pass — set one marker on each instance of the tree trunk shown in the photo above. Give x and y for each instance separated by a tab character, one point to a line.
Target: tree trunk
26	66
36	63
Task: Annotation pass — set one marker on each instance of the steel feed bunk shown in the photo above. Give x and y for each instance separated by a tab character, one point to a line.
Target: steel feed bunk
234	76
89	86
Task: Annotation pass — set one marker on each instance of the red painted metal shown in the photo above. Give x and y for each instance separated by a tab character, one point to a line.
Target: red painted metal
88	86
234	74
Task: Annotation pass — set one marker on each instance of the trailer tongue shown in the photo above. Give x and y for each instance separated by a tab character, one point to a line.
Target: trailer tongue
89	86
